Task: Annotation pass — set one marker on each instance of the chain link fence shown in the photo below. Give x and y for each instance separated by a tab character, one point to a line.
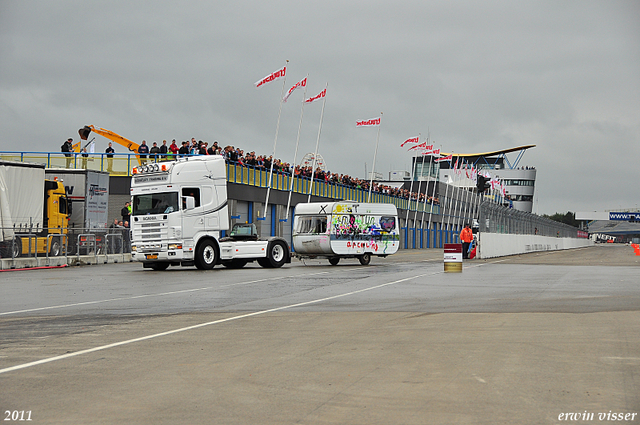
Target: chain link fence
495	218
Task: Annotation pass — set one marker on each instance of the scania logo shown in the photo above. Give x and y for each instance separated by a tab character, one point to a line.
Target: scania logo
148	218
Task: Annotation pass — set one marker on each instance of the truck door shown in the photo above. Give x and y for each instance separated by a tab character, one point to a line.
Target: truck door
192	218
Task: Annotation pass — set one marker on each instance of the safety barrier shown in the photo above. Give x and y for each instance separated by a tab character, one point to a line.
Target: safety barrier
78	246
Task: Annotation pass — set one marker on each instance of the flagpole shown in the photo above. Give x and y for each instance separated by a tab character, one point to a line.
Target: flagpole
315	155
275	141
375	153
446	192
460	195
426	190
433	195
466	199
295	155
415	216
410	189
450	200
456	190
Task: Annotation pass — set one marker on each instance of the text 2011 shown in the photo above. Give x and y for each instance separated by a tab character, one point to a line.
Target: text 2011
17	415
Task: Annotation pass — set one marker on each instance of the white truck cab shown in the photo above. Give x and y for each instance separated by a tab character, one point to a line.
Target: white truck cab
178	210
345	229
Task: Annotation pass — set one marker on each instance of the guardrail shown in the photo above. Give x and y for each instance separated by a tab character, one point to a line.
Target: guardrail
17	245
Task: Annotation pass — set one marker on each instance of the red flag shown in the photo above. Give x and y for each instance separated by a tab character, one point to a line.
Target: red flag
271	77
444	158
323	93
301	83
414	140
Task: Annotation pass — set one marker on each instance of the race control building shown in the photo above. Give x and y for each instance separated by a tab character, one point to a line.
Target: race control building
518	180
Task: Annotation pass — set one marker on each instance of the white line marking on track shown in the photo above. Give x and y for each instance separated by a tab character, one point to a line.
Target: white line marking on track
201	325
215	322
183	291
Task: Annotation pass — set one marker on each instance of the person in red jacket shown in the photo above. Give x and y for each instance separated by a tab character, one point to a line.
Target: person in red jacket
173	148
466	236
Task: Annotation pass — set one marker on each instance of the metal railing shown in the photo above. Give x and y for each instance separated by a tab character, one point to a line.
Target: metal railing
492	217
122	164
77	242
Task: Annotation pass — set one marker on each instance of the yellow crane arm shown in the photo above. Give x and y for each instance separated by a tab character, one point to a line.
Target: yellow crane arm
132	146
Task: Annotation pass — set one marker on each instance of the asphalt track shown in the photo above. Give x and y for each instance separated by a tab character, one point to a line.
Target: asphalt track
523	339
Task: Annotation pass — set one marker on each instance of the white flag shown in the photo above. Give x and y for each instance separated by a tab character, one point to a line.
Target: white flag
320	95
301	83
369	123
271	77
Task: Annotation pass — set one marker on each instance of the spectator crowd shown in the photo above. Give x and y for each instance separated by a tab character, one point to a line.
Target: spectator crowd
237	156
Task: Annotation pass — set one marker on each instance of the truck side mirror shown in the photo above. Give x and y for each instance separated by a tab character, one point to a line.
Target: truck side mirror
189	202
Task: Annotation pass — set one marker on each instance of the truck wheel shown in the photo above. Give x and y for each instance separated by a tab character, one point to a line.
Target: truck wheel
365	259
55	248
235	264
159	266
16	246
334	261
276	255
206	255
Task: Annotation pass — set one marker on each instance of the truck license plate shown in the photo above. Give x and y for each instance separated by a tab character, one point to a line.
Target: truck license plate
152	256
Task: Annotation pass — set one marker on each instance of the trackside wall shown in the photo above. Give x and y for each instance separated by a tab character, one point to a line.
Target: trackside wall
492	245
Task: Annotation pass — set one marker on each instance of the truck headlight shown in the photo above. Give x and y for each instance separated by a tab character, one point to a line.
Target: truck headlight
175	246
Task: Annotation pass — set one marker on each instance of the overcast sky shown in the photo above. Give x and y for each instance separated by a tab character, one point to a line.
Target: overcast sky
476	75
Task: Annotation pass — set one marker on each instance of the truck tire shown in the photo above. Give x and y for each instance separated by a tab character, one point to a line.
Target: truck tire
56	248
276	255
16	246
206	255
235	264
334	261
365	259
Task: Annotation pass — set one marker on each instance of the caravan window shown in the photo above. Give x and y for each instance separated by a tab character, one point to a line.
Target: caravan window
312	224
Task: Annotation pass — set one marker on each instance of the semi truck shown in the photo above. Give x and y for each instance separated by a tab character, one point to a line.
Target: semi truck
88	192
34	211
179	209
345	229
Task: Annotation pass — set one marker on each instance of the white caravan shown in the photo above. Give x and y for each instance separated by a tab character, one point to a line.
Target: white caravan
179	209
345	229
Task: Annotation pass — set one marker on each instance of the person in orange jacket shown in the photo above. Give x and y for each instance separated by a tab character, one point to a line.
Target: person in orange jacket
466	236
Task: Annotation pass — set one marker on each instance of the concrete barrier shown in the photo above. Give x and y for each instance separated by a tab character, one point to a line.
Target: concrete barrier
72	260
492	245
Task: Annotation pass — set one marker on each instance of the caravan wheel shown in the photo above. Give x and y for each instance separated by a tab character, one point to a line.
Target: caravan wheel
365	259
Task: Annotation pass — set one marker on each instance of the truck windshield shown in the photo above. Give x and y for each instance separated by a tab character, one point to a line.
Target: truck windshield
156	203
311	224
